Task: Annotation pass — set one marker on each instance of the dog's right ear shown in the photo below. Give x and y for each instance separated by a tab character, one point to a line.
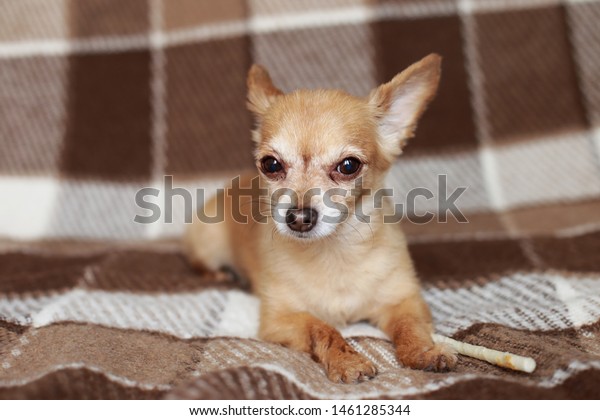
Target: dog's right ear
261	91
400	103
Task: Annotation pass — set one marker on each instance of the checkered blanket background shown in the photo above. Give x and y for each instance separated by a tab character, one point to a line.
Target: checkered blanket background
99	98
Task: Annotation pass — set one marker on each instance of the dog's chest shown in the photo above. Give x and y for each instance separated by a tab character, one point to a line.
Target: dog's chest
341	291
339	304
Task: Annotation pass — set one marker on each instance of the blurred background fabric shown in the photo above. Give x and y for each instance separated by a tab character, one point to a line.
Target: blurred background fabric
100	98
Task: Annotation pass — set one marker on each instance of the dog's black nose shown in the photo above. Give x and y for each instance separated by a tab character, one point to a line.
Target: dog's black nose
301	220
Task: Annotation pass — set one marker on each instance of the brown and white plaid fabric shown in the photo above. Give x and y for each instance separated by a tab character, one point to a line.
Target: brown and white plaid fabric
99	98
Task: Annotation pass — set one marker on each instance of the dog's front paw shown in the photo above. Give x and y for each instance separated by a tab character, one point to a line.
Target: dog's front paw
439	358
349	368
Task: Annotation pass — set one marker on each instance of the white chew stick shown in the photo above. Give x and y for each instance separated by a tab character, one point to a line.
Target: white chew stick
499	358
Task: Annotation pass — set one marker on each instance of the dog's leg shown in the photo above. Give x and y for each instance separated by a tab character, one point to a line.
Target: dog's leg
302	331
206	245
409	326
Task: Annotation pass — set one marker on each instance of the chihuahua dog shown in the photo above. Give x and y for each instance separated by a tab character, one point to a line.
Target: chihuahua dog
313	258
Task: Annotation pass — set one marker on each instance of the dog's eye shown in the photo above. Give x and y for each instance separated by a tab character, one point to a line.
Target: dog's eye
348	166
270	165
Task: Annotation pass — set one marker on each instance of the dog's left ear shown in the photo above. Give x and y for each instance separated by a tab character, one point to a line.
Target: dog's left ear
261	90
400	103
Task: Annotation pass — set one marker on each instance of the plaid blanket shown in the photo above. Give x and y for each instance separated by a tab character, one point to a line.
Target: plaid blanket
100	98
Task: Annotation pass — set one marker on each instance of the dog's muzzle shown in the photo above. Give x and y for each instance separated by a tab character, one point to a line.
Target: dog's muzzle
301	220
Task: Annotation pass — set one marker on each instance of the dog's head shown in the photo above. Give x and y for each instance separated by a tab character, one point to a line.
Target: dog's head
318	150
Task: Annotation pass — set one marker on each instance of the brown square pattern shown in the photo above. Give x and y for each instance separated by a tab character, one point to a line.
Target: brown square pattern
27	273
189	13
552	218
579	253
467	260
448	123
108	17
584	19
310	58
208	124
148	272
108	131
32	113
529	78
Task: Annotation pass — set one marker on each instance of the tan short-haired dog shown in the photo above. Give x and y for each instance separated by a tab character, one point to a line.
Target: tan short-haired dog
312	275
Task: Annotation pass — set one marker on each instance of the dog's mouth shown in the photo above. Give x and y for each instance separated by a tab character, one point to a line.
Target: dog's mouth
301	235
317	232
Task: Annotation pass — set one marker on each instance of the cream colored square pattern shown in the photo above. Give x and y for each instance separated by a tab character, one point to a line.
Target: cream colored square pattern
555	169
460	169
27	204
95	209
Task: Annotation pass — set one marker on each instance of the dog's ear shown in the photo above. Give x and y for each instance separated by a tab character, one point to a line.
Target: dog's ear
261	91
400	103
